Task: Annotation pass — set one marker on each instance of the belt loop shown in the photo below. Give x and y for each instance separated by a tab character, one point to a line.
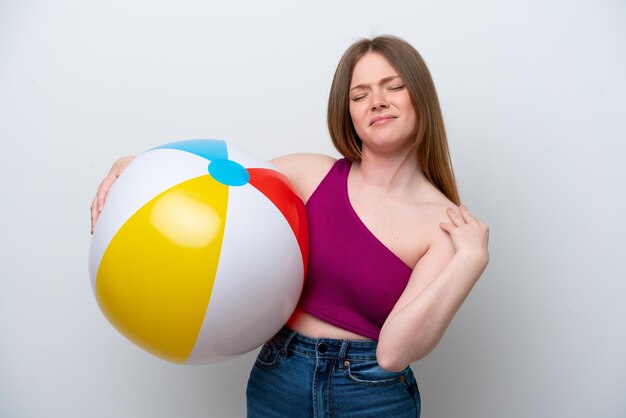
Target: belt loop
283	350
342	353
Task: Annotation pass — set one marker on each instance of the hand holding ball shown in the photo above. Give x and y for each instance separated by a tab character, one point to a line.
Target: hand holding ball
200	252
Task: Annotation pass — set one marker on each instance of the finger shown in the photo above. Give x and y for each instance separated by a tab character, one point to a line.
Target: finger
447	227
120	165
94	213
98	202
456	219
103	190
467	216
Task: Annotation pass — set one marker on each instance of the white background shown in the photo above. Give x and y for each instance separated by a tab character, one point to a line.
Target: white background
533	98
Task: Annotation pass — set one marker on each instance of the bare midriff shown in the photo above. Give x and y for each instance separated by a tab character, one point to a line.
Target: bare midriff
307	324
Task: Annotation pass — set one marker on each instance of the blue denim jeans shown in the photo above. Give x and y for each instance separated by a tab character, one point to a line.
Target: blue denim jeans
298	376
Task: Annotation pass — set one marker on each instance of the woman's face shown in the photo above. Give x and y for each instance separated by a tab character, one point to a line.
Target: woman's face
380	106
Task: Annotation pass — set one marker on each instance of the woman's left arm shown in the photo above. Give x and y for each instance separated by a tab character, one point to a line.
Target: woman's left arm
439	284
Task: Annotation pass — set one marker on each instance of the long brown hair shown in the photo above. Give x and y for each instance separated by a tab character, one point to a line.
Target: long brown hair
430	142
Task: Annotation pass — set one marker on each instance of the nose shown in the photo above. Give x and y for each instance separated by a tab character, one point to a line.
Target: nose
379	101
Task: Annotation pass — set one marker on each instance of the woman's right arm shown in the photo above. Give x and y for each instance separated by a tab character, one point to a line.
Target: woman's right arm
98	202
304	171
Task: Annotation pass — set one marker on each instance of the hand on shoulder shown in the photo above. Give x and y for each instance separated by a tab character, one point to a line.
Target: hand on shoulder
469	234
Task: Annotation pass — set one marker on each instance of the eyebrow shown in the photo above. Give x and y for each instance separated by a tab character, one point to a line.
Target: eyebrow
382	81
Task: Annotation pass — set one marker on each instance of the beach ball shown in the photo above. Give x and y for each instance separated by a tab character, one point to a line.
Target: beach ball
200	252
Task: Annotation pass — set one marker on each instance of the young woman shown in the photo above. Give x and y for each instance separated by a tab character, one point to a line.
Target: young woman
392	257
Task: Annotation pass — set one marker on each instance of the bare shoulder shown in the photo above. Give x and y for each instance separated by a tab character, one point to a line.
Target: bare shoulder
434	203
307	161
432	211
304	170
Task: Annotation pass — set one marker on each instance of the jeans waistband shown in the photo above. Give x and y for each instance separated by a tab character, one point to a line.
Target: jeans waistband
327	348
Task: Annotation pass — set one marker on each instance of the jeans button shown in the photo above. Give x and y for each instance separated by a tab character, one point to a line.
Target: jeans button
322	348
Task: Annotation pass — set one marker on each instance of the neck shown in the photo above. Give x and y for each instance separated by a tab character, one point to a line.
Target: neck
390	172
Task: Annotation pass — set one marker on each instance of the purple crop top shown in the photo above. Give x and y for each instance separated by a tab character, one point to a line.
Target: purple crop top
353	280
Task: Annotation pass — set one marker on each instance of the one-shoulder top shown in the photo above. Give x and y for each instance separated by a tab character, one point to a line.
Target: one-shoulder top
353	279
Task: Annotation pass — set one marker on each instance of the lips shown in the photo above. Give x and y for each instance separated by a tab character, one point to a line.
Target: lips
379	120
